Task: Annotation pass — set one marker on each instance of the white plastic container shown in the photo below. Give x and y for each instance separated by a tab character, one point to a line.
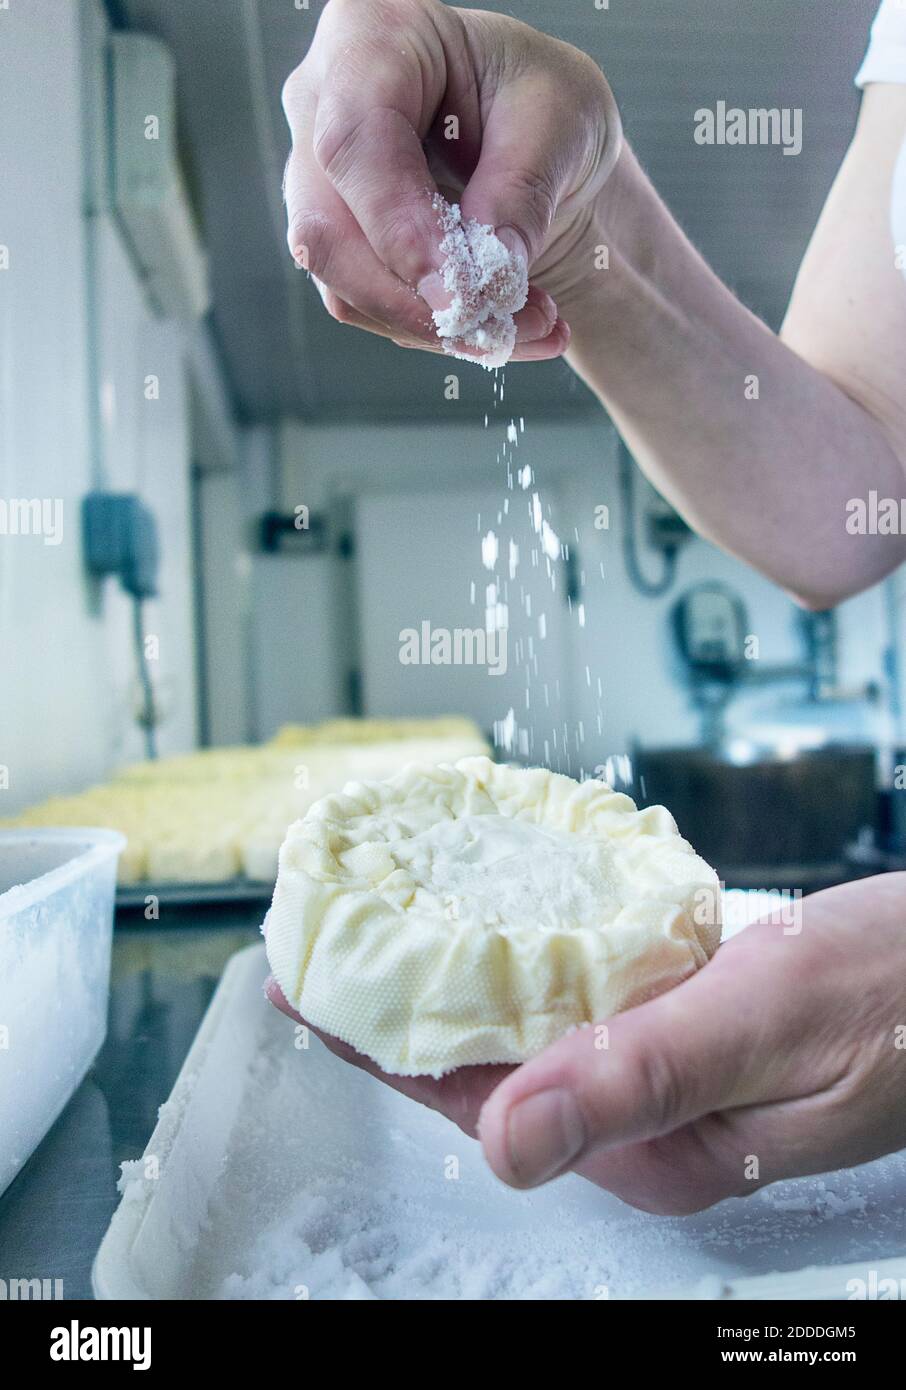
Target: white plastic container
56	926
278	1171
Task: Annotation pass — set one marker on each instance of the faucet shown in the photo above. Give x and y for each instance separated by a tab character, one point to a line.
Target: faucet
715	684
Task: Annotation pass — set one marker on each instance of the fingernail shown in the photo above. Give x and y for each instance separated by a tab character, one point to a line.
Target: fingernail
434	292
513	242
545	1132
533	323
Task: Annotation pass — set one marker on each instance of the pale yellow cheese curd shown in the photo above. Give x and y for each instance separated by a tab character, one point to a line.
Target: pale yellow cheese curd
473	913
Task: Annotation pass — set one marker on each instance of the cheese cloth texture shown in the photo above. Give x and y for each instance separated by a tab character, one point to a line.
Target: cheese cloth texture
473	913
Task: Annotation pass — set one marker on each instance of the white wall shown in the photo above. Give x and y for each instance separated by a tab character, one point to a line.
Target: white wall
298	644
222	553
226	607
420	493
51	644
420	561
68	692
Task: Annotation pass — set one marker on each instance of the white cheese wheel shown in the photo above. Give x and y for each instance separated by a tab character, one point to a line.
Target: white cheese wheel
465	914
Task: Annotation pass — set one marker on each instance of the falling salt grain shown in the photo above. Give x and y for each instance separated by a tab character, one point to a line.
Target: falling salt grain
550	541
505	731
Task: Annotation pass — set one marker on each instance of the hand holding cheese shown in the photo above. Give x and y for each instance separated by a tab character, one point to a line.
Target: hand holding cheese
785	1046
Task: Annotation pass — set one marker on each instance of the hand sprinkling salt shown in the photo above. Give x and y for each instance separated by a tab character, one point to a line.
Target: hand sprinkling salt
487	283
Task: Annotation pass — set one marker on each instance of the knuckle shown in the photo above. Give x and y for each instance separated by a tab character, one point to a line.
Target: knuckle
663	1092
334	142
398	238
338	309
585	72
312	240
340	138
292	90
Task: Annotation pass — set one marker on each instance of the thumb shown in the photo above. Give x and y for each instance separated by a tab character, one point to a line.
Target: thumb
643	1074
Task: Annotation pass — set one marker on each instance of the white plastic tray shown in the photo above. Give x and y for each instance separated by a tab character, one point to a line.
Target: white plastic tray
277	1172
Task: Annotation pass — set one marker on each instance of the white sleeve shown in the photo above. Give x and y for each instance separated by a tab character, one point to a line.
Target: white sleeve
885	60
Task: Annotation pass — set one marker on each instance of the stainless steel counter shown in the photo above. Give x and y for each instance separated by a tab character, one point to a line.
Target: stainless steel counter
53	1216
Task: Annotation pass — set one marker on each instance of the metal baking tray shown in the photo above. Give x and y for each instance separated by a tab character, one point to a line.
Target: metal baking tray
133	896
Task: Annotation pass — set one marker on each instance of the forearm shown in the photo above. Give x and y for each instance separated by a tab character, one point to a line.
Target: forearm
757	449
